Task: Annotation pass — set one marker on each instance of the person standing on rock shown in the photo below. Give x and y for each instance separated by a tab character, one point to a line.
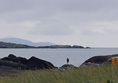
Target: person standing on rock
67	60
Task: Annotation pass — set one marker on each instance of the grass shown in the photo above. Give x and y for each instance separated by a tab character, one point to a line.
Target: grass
103	74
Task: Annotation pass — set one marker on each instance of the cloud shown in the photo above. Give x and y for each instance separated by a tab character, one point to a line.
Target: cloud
41	10
99	28
59	18
52	29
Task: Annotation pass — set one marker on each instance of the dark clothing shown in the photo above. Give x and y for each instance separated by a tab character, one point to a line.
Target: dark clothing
67	60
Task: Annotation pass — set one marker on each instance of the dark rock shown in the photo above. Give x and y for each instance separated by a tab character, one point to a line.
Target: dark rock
90	64
67	66
13	58
12	64
99	60
6	71
32	63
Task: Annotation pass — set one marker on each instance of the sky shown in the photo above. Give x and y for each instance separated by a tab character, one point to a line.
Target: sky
92	23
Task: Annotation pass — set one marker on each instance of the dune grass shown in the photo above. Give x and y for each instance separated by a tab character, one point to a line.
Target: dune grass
103	74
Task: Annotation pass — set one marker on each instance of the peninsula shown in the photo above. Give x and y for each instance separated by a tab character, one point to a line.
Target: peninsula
14	45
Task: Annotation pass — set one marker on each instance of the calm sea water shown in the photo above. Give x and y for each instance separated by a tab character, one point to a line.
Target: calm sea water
58	56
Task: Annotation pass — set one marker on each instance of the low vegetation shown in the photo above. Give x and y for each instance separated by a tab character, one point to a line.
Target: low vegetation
14	45
104	74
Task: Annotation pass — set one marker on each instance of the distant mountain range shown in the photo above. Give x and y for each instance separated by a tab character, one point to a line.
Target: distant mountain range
25	42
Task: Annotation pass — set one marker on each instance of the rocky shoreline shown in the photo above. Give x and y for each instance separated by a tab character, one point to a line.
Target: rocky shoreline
25	64
15	45
12	63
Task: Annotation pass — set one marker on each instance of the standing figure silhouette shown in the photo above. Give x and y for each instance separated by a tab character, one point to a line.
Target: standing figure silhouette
67	60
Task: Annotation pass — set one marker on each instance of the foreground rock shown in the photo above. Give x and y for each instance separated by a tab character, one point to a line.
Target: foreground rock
5	71
12	64
32	63
67	66
99	60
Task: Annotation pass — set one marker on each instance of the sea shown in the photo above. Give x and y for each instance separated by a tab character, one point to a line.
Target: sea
58	56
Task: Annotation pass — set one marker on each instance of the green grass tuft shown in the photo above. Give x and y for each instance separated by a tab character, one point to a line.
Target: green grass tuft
103	74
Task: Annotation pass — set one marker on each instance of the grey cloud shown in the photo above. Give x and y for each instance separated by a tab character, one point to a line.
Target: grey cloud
99	28
57	16
19	10
52	29
93	32
14	5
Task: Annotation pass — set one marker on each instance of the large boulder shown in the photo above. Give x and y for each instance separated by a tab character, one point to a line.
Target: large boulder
13	64
37	63
99	60
13	58
32	63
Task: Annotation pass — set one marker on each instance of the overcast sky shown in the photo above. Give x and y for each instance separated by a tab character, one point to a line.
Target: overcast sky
91	23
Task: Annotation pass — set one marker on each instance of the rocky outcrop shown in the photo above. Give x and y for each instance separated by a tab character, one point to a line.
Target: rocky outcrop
67	66
23	63
34	62
99	60
15	59
12	64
